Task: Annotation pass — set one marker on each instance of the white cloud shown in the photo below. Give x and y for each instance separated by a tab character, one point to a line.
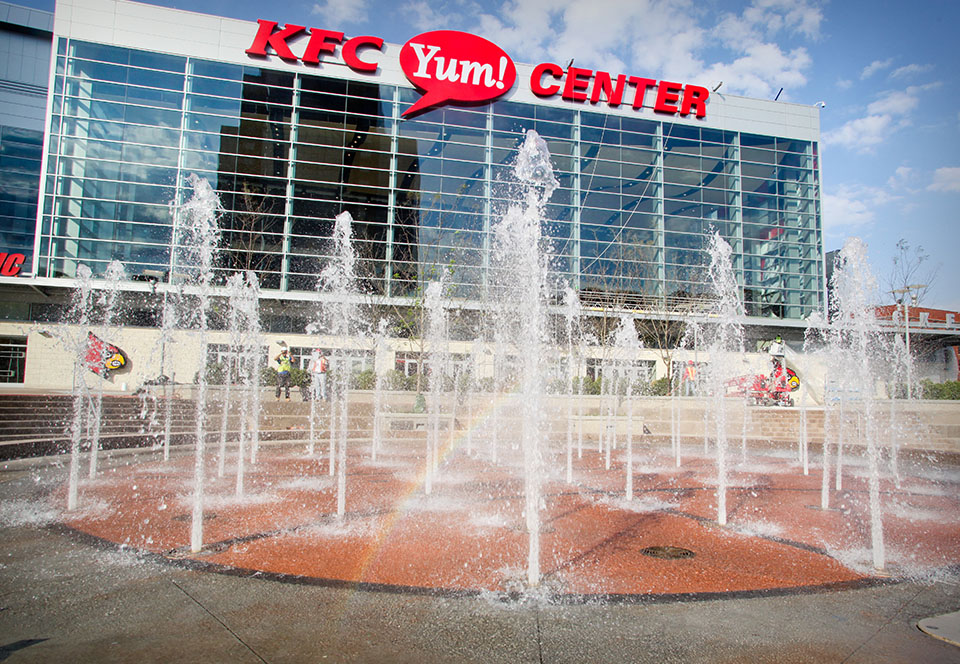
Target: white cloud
861	134
337	12
760	66
901	177
885	115
841	211
423	15
764	19
851	207
669	39
648	35
762	70
946	179
900	102
874	67
910	70
844	84
776	15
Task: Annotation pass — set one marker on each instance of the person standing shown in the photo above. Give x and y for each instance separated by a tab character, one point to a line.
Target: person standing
318	374
776	348
689	379
284	367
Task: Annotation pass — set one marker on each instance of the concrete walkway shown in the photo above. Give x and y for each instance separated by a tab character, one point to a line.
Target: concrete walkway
65	600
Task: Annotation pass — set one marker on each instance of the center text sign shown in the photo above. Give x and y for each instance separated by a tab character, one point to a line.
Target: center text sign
448	65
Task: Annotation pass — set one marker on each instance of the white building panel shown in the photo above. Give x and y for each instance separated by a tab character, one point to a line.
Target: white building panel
166	30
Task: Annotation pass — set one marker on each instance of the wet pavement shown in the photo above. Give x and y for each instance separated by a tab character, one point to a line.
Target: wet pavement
70	595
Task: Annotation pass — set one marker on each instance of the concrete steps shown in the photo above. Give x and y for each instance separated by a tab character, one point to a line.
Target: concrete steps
39	424
34	424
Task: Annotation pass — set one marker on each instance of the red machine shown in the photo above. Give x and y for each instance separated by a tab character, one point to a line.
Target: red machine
102	357
772	390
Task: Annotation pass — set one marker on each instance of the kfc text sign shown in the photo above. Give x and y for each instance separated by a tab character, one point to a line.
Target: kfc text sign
455	66
321	41
458	67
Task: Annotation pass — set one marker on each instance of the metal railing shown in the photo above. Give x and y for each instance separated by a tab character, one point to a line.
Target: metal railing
13	359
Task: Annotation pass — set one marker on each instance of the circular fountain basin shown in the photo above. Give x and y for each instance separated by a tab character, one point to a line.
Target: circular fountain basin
468	535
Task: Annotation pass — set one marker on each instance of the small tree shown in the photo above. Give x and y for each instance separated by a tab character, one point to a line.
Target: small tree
661	324
910	268
663	330
252	233
409	320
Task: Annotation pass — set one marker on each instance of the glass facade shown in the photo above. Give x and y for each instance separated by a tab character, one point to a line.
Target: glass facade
20	156
287	152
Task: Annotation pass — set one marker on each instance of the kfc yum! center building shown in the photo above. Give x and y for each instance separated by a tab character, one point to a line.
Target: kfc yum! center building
293	124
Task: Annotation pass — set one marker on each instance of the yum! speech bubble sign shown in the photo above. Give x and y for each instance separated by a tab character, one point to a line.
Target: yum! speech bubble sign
447	65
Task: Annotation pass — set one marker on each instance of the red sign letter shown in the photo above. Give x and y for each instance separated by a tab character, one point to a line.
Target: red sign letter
536	79
574	84
10	264
642	85
321	41
275	40
349	52
602	84
694	97
667	94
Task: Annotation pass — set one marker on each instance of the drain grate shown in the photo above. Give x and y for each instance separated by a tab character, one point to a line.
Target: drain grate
187	517
668	552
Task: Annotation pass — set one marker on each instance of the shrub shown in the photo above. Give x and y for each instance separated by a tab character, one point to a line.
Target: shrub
461	381
589	386
899	390
215	374
485	384
364	380
396	380
659	387
268	376
949	390
298	377
420	405
557	386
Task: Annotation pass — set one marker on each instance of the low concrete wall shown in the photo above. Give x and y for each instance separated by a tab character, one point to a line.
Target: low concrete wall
917	425
929	425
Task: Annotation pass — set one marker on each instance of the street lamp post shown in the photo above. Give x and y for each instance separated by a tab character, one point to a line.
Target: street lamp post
905	301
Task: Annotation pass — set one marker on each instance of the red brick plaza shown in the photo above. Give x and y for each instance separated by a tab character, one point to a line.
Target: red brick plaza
468	535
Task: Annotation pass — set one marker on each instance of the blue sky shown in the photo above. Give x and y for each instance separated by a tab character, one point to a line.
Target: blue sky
886	71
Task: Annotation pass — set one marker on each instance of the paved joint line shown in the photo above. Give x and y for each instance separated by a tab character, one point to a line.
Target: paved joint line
223	624
883	626
539	636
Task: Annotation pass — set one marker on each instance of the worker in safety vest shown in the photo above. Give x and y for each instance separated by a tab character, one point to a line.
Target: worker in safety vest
689	379
284	367
776	348
318	374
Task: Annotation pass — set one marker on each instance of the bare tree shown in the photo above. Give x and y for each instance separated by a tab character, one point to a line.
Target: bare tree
622	277
252	233
663	330
410	322
416	264
661	321
911	274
